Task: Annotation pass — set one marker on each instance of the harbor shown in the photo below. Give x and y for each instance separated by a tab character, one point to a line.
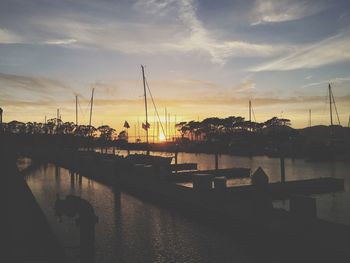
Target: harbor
89	179
175	131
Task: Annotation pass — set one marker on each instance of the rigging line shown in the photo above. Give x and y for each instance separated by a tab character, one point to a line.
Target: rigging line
325	103
253	114
335	107
81	110
154	105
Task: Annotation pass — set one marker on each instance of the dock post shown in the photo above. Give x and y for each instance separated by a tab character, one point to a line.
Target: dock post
216	161
72	179
283	174
176	161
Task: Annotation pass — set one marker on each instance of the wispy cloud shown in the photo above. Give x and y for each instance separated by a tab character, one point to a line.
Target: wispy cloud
244	86
9	37
272	11
219	50
60	41
183	32
31	83
325	82
31	88
329	51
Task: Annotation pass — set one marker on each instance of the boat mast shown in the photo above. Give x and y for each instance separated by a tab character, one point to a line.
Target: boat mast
145	94
91	103
250	115
309	117
175	127
166	125
169	127
76	110
330	103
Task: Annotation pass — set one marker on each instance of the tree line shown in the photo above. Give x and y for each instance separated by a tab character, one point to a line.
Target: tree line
193	130
56	126
213	127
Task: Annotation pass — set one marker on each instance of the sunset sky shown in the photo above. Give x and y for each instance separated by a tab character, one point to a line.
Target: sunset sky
202	58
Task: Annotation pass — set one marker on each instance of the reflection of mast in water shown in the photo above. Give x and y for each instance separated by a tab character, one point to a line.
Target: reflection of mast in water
72	180
57	176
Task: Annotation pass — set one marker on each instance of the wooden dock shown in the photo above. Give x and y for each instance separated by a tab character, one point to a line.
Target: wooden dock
187	176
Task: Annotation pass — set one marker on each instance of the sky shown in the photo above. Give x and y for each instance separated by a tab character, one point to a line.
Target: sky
202	58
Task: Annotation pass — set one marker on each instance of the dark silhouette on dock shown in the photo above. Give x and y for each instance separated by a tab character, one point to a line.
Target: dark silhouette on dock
72	206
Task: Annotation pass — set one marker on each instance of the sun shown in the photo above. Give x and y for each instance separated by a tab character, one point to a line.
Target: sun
161	137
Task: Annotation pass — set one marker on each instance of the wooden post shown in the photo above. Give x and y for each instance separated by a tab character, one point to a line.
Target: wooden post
216	161
176	152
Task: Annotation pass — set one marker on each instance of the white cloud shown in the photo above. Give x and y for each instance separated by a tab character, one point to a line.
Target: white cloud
329	51
337	81
271	11
60	41
245	85
8	37
181	32
197	38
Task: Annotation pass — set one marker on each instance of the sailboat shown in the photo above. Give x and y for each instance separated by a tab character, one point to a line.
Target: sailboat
147	158
333	148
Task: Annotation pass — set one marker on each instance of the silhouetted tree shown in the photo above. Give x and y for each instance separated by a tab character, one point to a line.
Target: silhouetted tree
106	132
123	135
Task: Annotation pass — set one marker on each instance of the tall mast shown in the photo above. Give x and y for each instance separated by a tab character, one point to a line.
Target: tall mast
309	117
76	110
250	111
154	127
138	128
175	127
166	125
250	115
145	94
330	103
169	127
91	103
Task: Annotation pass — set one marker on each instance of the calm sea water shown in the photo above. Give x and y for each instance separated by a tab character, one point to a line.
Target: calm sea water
133	230
129	229
332	207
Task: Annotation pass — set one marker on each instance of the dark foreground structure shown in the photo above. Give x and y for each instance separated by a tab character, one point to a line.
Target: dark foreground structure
30	236
246	211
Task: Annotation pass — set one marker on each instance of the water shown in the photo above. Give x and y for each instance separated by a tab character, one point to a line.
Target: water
333	207
129	229
132	230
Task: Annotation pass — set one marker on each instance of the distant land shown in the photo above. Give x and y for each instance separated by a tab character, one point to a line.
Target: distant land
231	135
